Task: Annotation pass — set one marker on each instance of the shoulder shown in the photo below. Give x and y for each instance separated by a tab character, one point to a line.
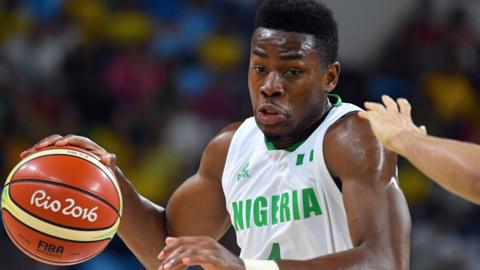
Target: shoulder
221	141
347	127
215	153
350	147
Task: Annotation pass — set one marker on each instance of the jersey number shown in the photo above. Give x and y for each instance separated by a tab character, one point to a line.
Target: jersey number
275	252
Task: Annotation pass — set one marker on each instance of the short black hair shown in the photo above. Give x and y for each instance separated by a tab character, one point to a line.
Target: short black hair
302	16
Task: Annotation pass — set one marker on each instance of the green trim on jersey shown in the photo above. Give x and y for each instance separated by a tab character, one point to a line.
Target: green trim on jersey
337	100
291	148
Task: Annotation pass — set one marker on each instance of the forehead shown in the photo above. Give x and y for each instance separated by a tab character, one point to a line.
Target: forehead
283	41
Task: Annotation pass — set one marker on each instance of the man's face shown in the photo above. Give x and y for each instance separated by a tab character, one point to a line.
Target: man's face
286	82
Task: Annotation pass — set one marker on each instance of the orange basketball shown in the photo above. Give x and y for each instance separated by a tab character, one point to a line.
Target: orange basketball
61	206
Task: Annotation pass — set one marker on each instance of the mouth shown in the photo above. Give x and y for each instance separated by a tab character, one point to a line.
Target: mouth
269	114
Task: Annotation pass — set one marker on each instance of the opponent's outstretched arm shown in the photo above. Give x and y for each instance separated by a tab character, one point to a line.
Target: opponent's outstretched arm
197	207
454	165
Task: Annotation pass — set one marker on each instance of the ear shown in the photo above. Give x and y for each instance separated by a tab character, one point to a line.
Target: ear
330	79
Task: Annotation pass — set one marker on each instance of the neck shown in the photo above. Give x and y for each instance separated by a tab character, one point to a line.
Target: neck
303	134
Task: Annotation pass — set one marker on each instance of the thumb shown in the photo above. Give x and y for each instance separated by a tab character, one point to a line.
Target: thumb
110	159
423	130
363	114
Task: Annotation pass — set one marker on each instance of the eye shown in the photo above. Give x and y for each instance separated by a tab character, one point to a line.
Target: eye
293	72
259	68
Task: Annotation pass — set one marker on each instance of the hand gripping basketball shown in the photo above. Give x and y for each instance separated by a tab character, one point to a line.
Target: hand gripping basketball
108	159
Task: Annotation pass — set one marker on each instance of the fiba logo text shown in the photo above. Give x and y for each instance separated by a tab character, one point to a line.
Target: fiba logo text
48	248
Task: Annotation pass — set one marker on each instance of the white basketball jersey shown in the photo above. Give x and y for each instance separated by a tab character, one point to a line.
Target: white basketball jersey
284	204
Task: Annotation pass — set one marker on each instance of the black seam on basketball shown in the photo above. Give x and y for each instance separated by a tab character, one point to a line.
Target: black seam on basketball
35	256
67	186
56	237
61	225
78	158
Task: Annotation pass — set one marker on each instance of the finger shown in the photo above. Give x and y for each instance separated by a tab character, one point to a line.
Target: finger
423	129
198	256
170	251
48	141
170	240
109	159
191	239
167	249
171	245
175	260
27	152
173	264
364	115
73	140
373	106
199	259
168	256
405	107
390	104
81	142
174	243
106	158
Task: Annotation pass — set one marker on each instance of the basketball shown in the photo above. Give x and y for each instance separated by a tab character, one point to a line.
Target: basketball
61	206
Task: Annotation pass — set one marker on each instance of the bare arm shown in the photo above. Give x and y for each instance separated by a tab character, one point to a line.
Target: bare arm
143	224
197	207
377	213
452	164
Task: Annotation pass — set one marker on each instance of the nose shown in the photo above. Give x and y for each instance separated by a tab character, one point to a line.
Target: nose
272	86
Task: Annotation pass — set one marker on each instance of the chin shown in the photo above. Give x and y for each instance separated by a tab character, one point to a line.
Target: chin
273	131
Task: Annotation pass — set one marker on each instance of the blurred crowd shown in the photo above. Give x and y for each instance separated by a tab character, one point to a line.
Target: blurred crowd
154	80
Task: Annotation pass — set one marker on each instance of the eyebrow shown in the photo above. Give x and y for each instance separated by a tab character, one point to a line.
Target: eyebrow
283	56
259	53
292	56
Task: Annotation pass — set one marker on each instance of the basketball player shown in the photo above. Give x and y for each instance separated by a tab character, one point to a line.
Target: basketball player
304	182
452	164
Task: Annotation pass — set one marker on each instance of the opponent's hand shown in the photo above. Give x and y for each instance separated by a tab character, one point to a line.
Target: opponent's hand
390	120
182	252
106	158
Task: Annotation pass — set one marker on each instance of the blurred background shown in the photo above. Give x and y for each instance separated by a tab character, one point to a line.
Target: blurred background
154	80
